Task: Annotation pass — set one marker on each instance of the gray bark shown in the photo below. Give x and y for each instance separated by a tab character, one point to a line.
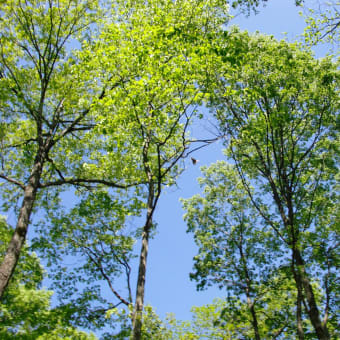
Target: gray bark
140	291
12	254
313	311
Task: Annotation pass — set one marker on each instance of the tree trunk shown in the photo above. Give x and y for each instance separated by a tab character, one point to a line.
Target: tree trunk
250	303
300	332
300	275
12	254
299	299
140	291
254	319
313	311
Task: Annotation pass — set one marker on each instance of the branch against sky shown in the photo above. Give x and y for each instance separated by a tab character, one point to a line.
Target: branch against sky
249	6
89	254
323	24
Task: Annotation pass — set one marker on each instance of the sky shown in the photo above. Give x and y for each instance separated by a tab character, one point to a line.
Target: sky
171	251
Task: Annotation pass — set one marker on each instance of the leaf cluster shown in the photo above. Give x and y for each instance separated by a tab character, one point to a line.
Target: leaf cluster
25	310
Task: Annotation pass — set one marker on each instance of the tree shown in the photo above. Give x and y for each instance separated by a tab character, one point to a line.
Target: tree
25	311
46	101
236	252
278	105
141	126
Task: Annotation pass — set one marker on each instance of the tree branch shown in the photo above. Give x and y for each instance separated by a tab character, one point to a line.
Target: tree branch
11	180
79	181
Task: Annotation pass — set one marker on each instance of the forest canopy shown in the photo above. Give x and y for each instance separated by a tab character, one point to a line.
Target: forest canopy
99	107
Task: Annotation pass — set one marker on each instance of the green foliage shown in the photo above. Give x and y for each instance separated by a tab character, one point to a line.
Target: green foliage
235	252
220	320
89	247
202	327
109	100
323	23
157	49
279	106
148	57
45	91
25	311
224	222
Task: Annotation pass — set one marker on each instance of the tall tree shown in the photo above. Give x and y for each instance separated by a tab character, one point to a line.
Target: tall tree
162	46
157	49
35	83
235	252
278	105
46	103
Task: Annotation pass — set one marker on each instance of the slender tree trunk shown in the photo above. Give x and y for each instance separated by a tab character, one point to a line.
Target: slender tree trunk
250	303
300	332
300	275
254	318
12	254
140	291
313	311
299	298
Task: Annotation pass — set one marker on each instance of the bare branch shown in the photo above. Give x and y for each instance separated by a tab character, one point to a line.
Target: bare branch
92	256
11	180
80	181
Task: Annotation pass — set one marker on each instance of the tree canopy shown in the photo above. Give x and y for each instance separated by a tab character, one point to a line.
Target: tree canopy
100	104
